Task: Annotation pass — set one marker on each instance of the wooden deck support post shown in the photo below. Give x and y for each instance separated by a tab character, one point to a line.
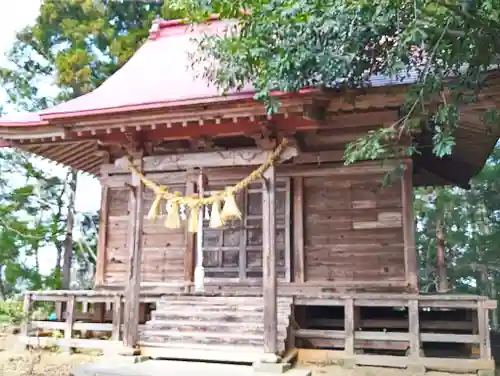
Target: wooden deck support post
26	314
117	318
414	328
349	326
410	251
70	320
269	261
132	288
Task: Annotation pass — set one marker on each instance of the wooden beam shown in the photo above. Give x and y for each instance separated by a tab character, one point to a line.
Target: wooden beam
269	261
228	158
103	235
410	251
319	157
298	230
132	289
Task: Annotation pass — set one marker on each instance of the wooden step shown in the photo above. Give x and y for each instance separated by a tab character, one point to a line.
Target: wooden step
186	321
193	351
207	338
214	308
201	335
207	315
215	326
222	299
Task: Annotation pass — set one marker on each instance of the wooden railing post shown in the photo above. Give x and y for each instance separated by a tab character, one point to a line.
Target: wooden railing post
70	319
414	328
117	318
26	314
349	326
484	331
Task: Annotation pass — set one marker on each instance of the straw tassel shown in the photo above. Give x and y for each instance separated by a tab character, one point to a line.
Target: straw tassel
215	217
173	220
155	208
230	209
193	219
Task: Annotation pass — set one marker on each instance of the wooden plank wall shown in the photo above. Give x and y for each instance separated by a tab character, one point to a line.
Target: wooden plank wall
116	251
163	249
353	229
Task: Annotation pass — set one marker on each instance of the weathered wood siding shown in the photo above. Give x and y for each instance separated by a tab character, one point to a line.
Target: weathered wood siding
162	248
353	229
116	249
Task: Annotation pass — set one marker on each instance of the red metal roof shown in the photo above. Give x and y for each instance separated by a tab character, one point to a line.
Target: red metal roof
160	74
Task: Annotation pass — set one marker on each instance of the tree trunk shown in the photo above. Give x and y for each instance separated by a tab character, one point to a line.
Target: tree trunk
2	286
68	240
440	258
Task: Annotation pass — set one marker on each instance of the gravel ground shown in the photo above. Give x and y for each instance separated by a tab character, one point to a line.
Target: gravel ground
16	361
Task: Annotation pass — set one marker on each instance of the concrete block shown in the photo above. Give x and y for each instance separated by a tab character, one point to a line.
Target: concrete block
486	372
415	370
271	367
347	363
128	351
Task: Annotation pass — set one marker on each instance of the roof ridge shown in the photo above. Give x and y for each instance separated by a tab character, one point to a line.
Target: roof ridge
159	24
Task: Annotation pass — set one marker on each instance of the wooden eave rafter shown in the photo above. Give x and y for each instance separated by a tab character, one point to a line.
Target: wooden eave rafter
230	119
224	120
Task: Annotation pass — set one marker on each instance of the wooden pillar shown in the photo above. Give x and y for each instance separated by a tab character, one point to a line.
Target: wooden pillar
199	270
269	261
410	251
132	288
298	230
103	232
189	252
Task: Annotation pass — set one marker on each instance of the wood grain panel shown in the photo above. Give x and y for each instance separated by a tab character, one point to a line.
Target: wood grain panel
353	229
163	252
116	253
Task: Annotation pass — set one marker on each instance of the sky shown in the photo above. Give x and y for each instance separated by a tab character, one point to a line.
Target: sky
14	15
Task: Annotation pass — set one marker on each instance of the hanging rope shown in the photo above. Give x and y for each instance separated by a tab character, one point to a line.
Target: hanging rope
176	202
